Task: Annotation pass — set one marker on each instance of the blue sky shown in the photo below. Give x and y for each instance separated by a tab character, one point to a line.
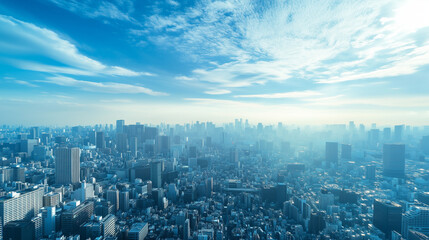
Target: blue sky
302	62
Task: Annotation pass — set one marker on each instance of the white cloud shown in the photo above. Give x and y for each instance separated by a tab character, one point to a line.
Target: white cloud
302	94
217	92
40	42
25	83
322	41
118	10
106	87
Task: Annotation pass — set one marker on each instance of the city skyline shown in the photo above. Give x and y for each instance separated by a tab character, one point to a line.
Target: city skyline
303	62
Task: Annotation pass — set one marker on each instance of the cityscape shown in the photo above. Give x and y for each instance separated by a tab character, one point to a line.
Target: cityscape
205	181
214	120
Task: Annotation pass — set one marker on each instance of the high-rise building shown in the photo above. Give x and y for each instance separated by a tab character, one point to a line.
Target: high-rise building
394	160
186	230
112	196
417	219
138	231
122	142
387	216
155	174
72	219
163	145
399	131
100	141
67	165
109	229
19	230
331	152
124	198
22	205
34	133
120	126
48	217
386	134
346	151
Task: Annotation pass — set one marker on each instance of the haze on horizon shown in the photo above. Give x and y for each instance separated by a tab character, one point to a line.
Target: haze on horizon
69	62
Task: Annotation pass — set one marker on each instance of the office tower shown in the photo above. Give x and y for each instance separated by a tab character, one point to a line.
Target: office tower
48	218
399	131
373	138
67	165
386	134
109	229
38	226
163	145
51	199
317	222
112	196
27	146
92	137
192	153
91	229
60	140
387	216
352	126
100	141
370	172
138	231
122	142
72	219
346	151
120	126
19	230
45	138
417	219
331	152
34	133
326	200
155	174
394	160
424	143
25	205
40	152
150	133
133	146
186	230
124	198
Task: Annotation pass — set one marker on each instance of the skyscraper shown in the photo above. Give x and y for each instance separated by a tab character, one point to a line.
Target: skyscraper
67	165
387	216
20	206
122	142
100	142
124	198
399	129
424	143
394	160
331	152
155	174
112	196
417	218
120	126
346	151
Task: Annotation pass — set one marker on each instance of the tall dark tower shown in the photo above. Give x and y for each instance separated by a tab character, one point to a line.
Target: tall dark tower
155	174
387	216
67	165
394	160
100	142
120	126
331	152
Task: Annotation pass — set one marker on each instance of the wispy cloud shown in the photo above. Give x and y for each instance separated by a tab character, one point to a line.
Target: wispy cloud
323	41
23	37
302	94
115	10
106	87
217	92
25	83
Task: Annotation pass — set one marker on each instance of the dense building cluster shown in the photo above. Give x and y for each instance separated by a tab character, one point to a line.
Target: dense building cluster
204	181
